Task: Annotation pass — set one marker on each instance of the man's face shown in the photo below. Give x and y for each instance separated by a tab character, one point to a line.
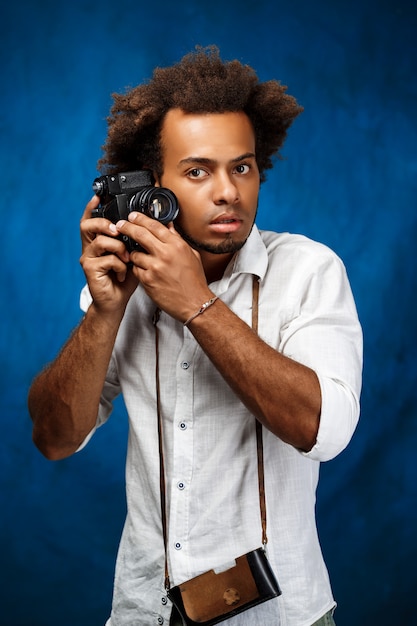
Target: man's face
209	163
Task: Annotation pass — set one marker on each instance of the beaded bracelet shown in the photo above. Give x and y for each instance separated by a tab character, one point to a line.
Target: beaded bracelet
201	310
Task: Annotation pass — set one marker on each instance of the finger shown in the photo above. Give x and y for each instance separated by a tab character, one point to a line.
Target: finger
121	276
138	234
159	230
91	227
103	245
147	232
103	265
90	206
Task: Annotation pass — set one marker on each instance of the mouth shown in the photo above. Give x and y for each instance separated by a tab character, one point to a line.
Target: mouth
225	224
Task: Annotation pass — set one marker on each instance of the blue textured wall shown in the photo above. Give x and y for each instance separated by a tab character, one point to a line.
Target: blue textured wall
349	180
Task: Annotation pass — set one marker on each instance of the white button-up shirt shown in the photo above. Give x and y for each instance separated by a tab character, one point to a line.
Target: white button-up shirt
306	311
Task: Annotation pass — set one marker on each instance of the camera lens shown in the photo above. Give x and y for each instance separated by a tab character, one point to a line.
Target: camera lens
156	202
99	187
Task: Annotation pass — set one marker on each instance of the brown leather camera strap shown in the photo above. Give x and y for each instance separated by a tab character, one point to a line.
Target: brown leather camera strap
259	442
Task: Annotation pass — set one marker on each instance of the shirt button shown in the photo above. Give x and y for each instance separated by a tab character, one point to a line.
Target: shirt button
183	425
181	486
178	546
185	365
160	620
164	600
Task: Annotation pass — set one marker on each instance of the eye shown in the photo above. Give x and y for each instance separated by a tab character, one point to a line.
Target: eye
196	172
243	168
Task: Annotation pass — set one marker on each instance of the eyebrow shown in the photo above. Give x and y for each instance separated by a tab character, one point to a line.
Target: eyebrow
206	161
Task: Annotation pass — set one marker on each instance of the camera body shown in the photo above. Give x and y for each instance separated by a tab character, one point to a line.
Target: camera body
122	193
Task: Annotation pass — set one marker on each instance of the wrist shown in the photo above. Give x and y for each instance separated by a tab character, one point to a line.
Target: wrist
206	305
107	320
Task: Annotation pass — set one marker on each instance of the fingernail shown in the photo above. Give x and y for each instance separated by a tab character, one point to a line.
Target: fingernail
113	229
120	224
132	216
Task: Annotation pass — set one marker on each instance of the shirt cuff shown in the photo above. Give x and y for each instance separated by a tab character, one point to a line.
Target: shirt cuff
338	420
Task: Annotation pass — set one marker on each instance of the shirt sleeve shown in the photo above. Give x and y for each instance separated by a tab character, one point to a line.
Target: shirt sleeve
109	393
325	334
111	386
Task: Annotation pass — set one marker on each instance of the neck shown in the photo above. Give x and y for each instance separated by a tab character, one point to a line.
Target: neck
214	265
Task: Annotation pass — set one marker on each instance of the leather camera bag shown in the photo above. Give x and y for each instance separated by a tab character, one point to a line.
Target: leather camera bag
214	597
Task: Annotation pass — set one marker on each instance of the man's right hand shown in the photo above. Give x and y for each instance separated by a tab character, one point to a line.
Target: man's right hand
105	262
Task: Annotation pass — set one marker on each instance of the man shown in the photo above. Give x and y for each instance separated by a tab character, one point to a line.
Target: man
207	130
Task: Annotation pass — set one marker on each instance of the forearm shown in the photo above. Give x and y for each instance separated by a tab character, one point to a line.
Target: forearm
63	400
283	394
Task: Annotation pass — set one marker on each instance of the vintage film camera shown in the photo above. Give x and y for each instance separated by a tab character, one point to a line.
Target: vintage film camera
122	193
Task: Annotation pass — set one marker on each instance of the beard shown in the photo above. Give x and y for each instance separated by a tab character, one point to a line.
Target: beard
229	245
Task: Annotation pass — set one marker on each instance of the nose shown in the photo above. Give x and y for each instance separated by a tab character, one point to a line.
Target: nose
225	190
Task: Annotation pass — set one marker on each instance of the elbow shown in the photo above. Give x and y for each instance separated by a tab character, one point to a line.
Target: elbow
299	430
308	438
52	440
55	439
49	449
